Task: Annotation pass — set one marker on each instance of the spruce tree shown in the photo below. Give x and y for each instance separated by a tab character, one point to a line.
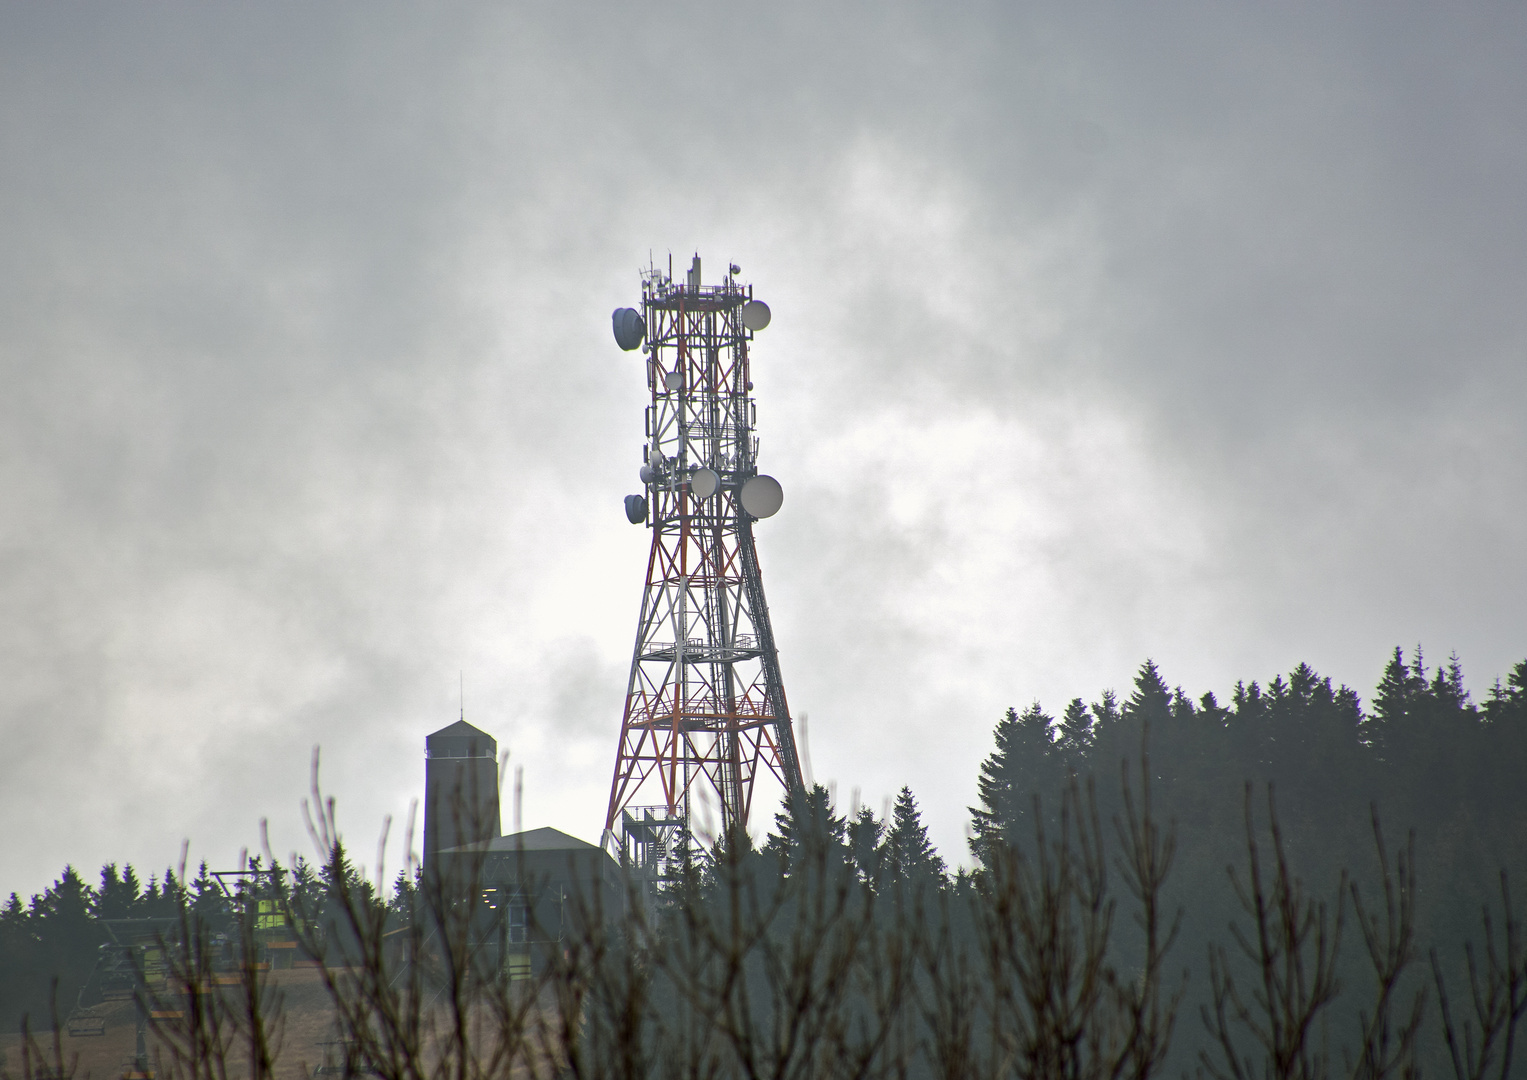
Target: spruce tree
806	829
67	937
1107	722
907	855
307	890
159	900
403	906
209	904
1151	701
21	961
1508	703
1210	709
1074	739
1106	710
1022	766
864	836
172	894
120	894
1504	748
1395	704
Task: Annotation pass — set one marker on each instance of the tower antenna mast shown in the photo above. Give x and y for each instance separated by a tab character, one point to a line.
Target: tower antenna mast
705	706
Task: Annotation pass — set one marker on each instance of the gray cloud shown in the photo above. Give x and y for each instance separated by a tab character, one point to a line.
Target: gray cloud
1191	332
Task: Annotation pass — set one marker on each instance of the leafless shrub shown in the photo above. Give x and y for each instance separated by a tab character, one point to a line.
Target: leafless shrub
419	1003
1292	946
1484	1042
748	973
50	1063
750	967
215	1009
1388	1040
1056	1001
746	967
1279	1029
949	1001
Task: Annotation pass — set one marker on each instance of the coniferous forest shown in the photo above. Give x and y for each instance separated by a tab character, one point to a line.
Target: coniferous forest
1293	882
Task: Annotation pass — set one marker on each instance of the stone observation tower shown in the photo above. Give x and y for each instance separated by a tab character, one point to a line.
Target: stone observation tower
460	790
705	708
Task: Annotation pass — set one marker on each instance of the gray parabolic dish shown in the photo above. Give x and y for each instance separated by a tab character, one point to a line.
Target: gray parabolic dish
703	483
762	496
755	314
629	327
673	380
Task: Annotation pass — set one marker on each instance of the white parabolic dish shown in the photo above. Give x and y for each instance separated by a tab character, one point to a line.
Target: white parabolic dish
762	496
755	314
703	484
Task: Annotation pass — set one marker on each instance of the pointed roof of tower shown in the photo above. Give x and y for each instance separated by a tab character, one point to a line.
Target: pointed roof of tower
460	730
460	739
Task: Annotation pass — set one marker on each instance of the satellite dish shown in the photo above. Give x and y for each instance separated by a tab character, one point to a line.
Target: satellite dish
647	475
703	484
629	327
673	380
636	509
762	496
755	315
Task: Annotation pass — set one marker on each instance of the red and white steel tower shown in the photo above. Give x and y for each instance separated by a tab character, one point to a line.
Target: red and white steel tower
705	704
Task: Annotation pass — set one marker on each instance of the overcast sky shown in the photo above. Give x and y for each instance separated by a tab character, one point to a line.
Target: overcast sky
1101	332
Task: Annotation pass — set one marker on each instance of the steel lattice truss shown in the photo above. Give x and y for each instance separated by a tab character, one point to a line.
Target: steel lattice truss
705	705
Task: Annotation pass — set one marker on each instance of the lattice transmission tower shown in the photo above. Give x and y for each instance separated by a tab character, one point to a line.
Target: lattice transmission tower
705	708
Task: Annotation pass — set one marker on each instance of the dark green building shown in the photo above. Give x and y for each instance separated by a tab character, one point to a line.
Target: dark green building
537	893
